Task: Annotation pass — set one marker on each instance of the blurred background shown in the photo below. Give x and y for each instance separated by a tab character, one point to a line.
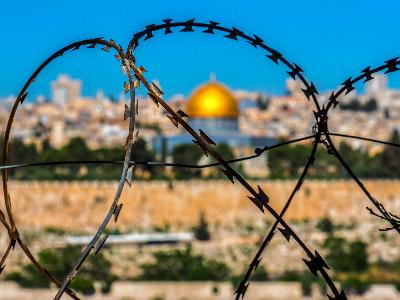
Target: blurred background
189	233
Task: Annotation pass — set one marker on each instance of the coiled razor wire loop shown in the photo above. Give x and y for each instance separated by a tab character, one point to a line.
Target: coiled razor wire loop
98	239
321	127
231	33
260	199
389	66
321	135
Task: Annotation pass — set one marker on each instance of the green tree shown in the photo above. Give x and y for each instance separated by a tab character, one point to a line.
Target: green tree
357	252
325	165
355	284
389	159
289	161
75	149
286	162
359	160
346	256
306	281
225	151
325	225
83	285
337	254
201	231
18	153
58	262
142	153
260	274
186	154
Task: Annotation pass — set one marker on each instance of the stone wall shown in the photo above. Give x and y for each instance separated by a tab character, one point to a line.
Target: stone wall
82	205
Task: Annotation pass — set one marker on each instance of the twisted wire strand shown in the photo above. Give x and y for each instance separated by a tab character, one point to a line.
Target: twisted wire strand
257	258
260	199
295	70
347	86
389	66
309	91
11	227
244	283
355	137
379	206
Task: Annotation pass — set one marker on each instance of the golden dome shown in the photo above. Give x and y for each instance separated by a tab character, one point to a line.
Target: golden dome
212	100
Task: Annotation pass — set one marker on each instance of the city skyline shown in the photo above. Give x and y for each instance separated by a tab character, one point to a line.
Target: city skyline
143	172
344	47
69	114
49	96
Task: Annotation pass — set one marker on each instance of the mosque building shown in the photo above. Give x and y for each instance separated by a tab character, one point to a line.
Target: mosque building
212	107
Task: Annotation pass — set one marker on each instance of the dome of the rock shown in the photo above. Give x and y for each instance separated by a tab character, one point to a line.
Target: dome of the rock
212	100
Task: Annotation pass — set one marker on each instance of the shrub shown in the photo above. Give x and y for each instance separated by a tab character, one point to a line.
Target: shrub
28	277
355	284
325	225
201	231
59	262
260	274
290	276
346	256
306	285
83	285
183	265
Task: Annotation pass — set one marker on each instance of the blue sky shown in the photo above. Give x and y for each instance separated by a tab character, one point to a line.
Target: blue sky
330	40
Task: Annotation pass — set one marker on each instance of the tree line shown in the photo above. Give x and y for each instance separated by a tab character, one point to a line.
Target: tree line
289	161
284	162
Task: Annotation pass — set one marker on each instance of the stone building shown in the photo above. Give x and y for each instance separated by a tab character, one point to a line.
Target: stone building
213	108
65	90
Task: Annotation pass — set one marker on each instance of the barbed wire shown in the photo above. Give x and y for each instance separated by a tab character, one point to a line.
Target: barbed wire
321	115
389	66
98	240
294	71
320	136
259	198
